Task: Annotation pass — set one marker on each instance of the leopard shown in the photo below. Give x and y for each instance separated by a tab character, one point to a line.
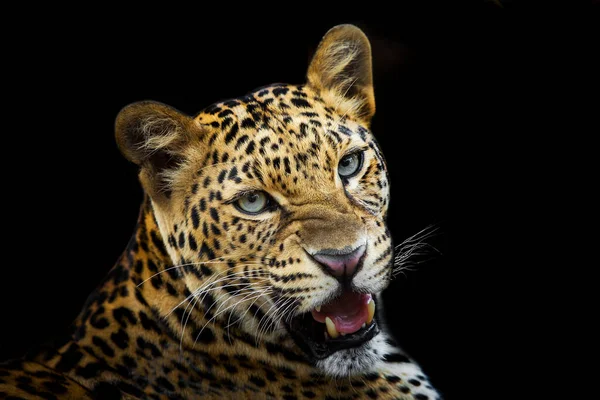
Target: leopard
259	256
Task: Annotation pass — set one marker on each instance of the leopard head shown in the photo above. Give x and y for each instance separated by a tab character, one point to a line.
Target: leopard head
273	205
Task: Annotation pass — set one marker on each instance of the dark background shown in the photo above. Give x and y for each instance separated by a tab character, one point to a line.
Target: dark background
478	105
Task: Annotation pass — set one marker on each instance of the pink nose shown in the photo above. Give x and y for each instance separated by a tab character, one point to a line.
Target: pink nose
340	263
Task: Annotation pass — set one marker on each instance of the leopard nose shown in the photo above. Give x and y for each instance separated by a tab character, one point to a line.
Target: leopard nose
340	263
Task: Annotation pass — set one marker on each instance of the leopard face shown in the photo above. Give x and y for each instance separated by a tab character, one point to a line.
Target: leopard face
273	206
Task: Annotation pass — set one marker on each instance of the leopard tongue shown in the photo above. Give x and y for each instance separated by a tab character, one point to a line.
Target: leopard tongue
348	312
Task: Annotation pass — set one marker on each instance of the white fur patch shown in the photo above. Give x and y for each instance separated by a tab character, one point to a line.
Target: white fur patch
370	358
357	360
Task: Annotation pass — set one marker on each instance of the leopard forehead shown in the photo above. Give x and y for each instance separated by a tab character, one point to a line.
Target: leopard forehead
290	121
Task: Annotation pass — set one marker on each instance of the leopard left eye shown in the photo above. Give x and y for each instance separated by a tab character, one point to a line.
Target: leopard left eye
253	203
350	165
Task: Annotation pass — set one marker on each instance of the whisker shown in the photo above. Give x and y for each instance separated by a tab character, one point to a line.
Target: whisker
178	305
229	278
198	263
261	329
204	289
276	318
225	287
287	313
239	292
246	297
289	310
160	272
196	292
420	236
231	295
233	276
275	306
411	247
229	323
200	293
193	304
230	275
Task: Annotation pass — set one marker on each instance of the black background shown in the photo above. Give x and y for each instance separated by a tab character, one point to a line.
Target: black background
474	103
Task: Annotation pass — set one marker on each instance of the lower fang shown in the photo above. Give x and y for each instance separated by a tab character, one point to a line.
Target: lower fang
330	328
342	333
364	325
371	309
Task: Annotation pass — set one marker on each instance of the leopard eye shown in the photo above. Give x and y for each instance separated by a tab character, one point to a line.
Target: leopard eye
253	202
350	164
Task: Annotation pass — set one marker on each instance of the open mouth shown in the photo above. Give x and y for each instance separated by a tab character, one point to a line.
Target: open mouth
345	322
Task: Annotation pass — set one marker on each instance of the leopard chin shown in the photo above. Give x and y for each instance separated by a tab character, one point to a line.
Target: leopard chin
355	360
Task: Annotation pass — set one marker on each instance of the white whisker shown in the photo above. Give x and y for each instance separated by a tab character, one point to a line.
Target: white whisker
193	304
262	328
246	297
198	263
229	323
413	246
206	285
232	277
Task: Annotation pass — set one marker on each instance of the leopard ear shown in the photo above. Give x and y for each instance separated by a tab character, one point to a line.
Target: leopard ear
154	136
341	68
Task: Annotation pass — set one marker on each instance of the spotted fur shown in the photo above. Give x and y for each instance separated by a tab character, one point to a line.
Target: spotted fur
196	307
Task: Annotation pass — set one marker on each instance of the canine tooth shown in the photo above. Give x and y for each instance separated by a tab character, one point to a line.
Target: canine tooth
318	308
371	308
331	328
342	333
364	325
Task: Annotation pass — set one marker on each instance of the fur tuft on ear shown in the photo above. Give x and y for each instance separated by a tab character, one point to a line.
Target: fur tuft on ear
154	136
341	70
157	132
